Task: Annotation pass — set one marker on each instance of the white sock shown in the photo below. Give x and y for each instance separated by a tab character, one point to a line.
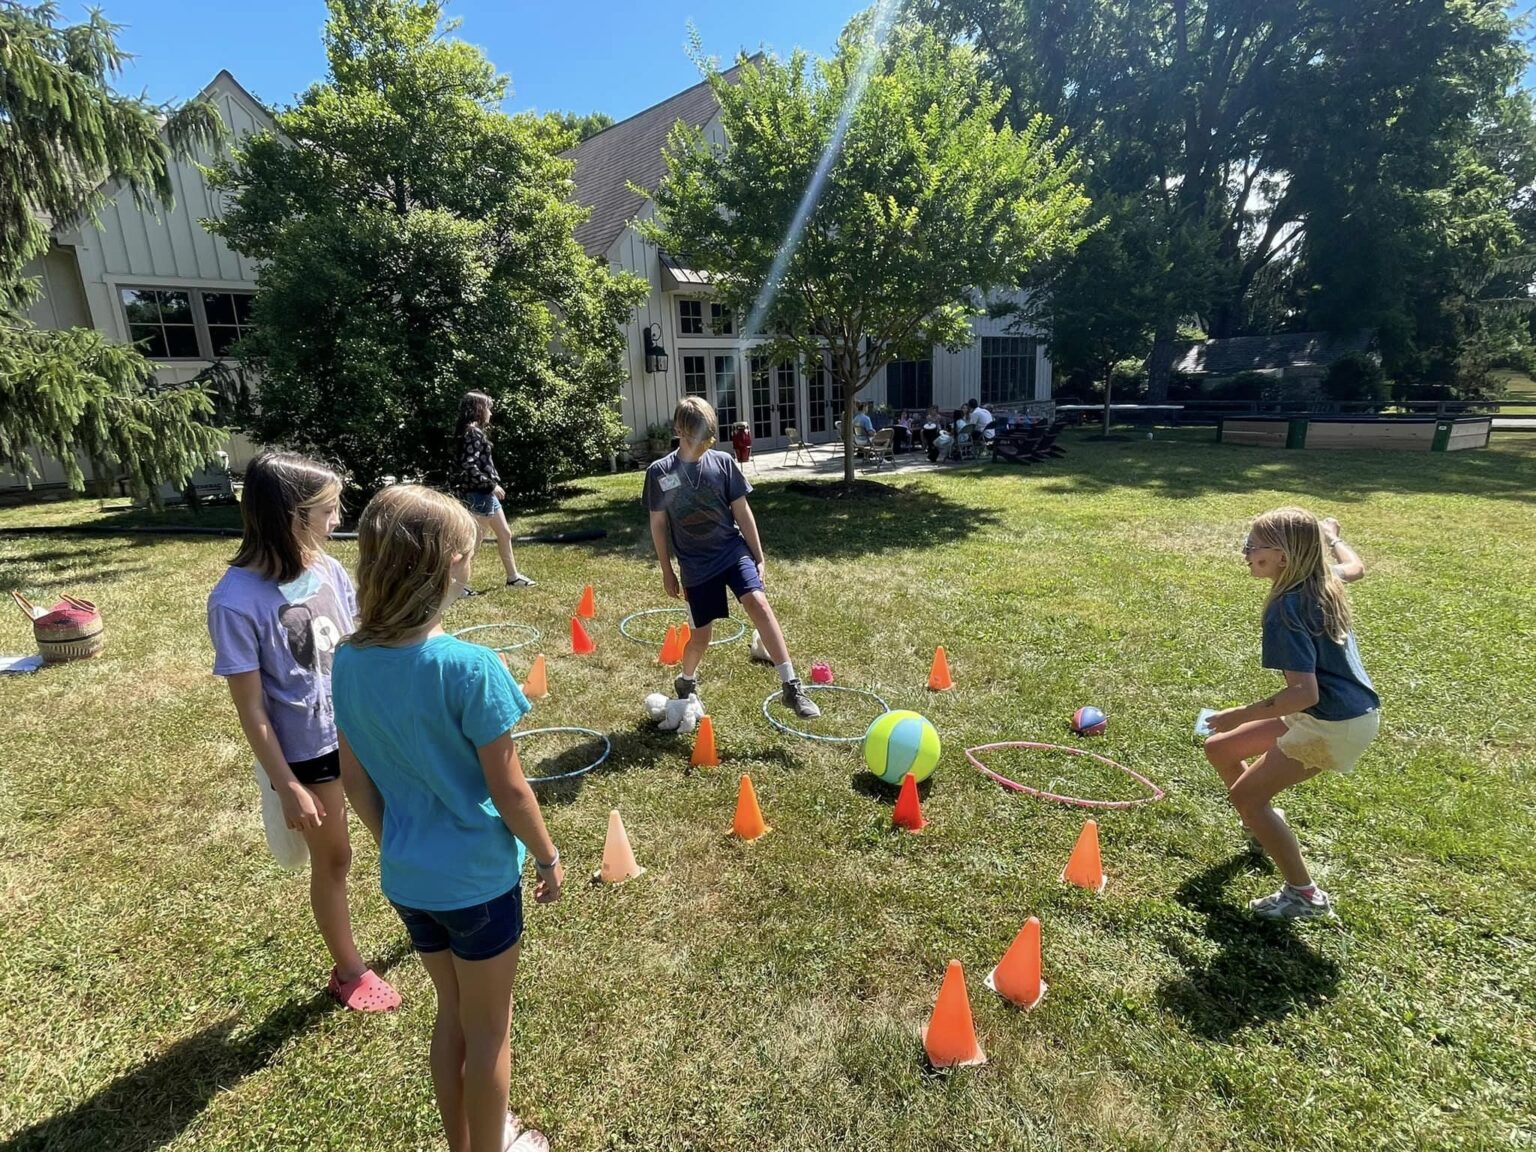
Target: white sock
785	670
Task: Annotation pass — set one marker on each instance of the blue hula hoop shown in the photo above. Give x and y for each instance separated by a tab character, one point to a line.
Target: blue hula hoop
536	636
782	727
607	750
741	629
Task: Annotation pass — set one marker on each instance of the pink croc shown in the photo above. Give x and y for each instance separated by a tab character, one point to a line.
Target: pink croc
368	993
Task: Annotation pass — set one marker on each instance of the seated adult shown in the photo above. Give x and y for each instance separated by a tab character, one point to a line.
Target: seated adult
930	433
901	433
863	426
979	419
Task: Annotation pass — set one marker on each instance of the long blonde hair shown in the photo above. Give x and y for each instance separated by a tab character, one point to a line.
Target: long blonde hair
1299	537
407	542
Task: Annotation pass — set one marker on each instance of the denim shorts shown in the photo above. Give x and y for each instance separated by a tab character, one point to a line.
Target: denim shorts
706	600
480	503
478	932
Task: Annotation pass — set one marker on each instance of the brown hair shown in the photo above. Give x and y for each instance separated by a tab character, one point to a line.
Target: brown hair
407	542
1296	533
474	408
695	418
278	484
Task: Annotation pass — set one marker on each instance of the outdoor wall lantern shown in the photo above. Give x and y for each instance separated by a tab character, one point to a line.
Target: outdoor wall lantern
655	354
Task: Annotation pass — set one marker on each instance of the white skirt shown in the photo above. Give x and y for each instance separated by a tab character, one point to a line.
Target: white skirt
1328	745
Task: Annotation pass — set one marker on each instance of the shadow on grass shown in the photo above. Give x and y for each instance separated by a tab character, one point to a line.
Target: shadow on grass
1187	468
1261	972
70	568
150	1106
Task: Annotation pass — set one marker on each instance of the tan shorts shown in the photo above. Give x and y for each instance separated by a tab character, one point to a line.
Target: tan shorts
1328	745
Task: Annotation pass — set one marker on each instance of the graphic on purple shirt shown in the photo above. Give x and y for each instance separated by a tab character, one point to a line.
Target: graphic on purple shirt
288	633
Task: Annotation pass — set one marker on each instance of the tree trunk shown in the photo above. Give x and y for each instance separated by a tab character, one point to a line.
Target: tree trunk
850	409
1160	363
1109	384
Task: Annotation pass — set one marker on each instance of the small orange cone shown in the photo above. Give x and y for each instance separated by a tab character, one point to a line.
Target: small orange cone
938	676
1084	868
1017	975
950	1037
581	643
618	857
704	755
908	813
748	824
588	606
536	687
671	650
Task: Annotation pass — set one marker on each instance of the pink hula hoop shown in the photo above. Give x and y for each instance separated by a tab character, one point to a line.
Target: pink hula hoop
1014	785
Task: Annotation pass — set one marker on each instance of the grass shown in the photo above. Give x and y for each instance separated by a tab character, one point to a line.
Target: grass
159	987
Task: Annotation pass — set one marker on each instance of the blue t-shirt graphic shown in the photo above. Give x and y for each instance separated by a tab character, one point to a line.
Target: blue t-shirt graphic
1344	691
697	498
415	716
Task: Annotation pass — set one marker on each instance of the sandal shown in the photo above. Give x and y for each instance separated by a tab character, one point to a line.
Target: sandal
520	581
368	993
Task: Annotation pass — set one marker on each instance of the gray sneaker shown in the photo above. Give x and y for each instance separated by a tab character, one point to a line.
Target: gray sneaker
1289	904
797	700
686	686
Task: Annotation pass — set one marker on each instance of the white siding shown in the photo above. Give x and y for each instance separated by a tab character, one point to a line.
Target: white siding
62	300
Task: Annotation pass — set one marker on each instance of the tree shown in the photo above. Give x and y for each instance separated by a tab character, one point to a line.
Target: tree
895	225
580	126
67	142
416	243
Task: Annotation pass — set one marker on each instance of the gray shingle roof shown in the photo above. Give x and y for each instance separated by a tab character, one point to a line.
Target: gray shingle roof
630	152
1257	353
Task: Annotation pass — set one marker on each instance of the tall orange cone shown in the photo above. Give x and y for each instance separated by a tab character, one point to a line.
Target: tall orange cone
618	857
908	813
1085	868
704	755
588	606
536	687
950	1037
1017	975
748	824
938	676
671	651
581	643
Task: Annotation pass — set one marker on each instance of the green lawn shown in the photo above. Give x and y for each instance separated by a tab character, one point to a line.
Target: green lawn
159	984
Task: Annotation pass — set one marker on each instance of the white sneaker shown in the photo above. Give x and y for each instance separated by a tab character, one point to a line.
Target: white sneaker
1289	904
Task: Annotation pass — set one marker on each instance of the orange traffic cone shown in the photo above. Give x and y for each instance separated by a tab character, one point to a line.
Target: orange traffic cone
536	687
748	824
1084	868
1017	975
684	634
908	813
938	676
704	755
950	1037
581	643
671	650
618	857
588	606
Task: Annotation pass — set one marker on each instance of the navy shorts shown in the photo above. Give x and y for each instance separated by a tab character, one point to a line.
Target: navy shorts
321	770
480	503
478	932
706	600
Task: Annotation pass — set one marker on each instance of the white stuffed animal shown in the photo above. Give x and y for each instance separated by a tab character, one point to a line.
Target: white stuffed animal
759	651
674	715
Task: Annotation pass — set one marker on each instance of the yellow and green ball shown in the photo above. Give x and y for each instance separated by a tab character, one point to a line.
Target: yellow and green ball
901	742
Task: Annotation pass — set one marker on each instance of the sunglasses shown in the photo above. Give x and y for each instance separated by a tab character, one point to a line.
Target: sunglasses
1250	547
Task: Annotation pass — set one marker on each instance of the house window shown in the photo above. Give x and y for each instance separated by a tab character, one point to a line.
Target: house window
695	377
1007	369
229	318
161	323
725	391
690	317
820	406
909	385
721	323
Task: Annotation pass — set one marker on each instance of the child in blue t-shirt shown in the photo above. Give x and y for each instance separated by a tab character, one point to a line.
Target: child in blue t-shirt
430	766
275	618
697	500
1321	721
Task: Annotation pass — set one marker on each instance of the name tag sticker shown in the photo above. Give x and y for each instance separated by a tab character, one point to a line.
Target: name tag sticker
669	482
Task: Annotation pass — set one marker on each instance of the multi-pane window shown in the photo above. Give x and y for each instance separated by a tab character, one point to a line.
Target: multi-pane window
229	318
909	385
721	323
695	377
725	391
1007	369
161	323
690	317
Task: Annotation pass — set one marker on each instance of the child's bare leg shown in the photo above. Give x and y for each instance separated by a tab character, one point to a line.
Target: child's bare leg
330	859
485	1015
758	610
1251	795
1229	752
693	651
447	1052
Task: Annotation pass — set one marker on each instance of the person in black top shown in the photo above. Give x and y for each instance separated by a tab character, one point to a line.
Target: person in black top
479	485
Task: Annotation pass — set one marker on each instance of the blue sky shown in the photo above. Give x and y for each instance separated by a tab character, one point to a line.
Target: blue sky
568	55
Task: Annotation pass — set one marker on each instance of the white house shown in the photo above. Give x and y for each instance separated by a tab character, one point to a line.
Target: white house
705	354
155	275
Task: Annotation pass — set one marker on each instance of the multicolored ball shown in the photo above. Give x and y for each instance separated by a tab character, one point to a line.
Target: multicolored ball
1089	721
901	742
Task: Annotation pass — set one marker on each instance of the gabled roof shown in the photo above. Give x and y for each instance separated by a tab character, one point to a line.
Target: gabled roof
1237	354
630	152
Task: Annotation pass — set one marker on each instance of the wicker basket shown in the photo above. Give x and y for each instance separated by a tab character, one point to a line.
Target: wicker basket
71	630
